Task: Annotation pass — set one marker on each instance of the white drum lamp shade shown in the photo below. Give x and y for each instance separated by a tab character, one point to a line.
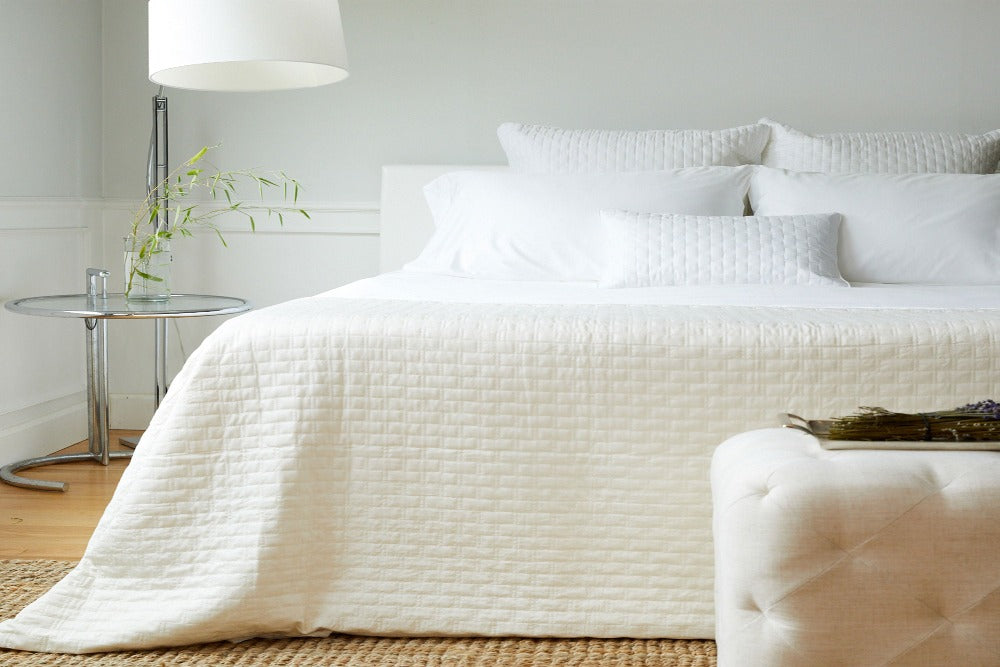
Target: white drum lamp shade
245	45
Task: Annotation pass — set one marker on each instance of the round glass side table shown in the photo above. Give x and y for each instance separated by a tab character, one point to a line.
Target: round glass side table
96	307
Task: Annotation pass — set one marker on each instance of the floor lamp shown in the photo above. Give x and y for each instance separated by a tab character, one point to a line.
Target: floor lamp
232	46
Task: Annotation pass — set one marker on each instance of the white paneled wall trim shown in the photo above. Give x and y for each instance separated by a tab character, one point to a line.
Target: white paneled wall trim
46	243
41	213
326	218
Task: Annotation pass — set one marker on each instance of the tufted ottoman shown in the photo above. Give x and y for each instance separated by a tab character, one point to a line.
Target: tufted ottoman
854	557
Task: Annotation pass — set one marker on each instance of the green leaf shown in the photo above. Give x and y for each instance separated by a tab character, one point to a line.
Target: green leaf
199	155
185	181
303	212
148	276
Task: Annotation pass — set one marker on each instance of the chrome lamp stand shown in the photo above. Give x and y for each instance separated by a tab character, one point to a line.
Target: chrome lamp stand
157	171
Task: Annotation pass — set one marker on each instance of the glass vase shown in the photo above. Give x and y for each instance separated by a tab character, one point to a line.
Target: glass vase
147	278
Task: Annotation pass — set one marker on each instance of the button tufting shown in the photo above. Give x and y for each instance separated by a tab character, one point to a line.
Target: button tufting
871	544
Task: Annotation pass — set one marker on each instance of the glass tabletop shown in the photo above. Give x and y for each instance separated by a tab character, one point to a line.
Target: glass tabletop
116	306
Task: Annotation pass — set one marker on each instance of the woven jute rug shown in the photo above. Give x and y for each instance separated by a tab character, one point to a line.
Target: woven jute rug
22	581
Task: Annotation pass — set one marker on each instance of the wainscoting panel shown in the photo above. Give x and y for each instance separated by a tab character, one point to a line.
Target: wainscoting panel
46	246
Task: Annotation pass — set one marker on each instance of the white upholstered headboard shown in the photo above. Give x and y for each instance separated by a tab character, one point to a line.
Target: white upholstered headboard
406	222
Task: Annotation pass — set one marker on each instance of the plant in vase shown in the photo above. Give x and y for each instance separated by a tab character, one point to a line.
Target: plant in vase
148	255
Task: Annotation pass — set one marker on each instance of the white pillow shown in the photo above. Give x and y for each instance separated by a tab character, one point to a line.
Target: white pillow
882	152
509	226
539	149
898	228
653	249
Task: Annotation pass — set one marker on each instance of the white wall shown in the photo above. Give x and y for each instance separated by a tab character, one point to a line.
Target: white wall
50	212
430	81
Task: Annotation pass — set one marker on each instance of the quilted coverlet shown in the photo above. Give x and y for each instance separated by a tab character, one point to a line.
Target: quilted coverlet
390	467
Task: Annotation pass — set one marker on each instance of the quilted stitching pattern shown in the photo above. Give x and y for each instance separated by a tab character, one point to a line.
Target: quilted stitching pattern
882	152
542	149
855	558
650	249
431	468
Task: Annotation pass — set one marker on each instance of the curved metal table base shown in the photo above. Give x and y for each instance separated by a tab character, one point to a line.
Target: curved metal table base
7	473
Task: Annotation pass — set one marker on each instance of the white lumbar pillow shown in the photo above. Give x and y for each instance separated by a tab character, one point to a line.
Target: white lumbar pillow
541	149
653	249
510	226
882	152
898	228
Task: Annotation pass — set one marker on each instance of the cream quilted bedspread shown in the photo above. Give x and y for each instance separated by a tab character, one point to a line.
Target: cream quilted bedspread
394	467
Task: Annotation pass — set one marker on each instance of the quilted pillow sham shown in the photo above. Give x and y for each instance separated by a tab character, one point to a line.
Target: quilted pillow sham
881	152
541	149
510	226
653	249
898	228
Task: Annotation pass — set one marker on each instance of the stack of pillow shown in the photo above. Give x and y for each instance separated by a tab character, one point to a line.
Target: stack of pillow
666	207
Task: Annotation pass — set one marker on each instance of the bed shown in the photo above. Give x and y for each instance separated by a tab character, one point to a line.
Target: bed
427	454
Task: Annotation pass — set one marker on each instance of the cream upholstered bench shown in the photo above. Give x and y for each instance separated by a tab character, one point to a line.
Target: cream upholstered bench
854	557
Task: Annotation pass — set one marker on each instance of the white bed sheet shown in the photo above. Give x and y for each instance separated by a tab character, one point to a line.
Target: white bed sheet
412	455
413	286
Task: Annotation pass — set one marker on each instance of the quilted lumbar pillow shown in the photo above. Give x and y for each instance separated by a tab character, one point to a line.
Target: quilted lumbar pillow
882	152
542	149
653	249
898	228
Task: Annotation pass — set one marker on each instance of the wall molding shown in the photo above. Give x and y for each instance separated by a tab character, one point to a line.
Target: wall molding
36	214
343	218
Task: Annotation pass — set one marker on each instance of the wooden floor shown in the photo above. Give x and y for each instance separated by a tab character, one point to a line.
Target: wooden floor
53	524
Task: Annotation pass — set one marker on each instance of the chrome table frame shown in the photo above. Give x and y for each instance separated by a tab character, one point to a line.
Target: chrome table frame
99	307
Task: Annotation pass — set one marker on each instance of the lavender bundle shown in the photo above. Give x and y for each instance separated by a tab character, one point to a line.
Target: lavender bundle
975	421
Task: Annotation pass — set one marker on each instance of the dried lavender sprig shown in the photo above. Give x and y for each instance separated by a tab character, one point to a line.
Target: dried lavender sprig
989	407
975	421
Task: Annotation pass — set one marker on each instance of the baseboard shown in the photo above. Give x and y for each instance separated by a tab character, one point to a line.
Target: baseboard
131	411
39	430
